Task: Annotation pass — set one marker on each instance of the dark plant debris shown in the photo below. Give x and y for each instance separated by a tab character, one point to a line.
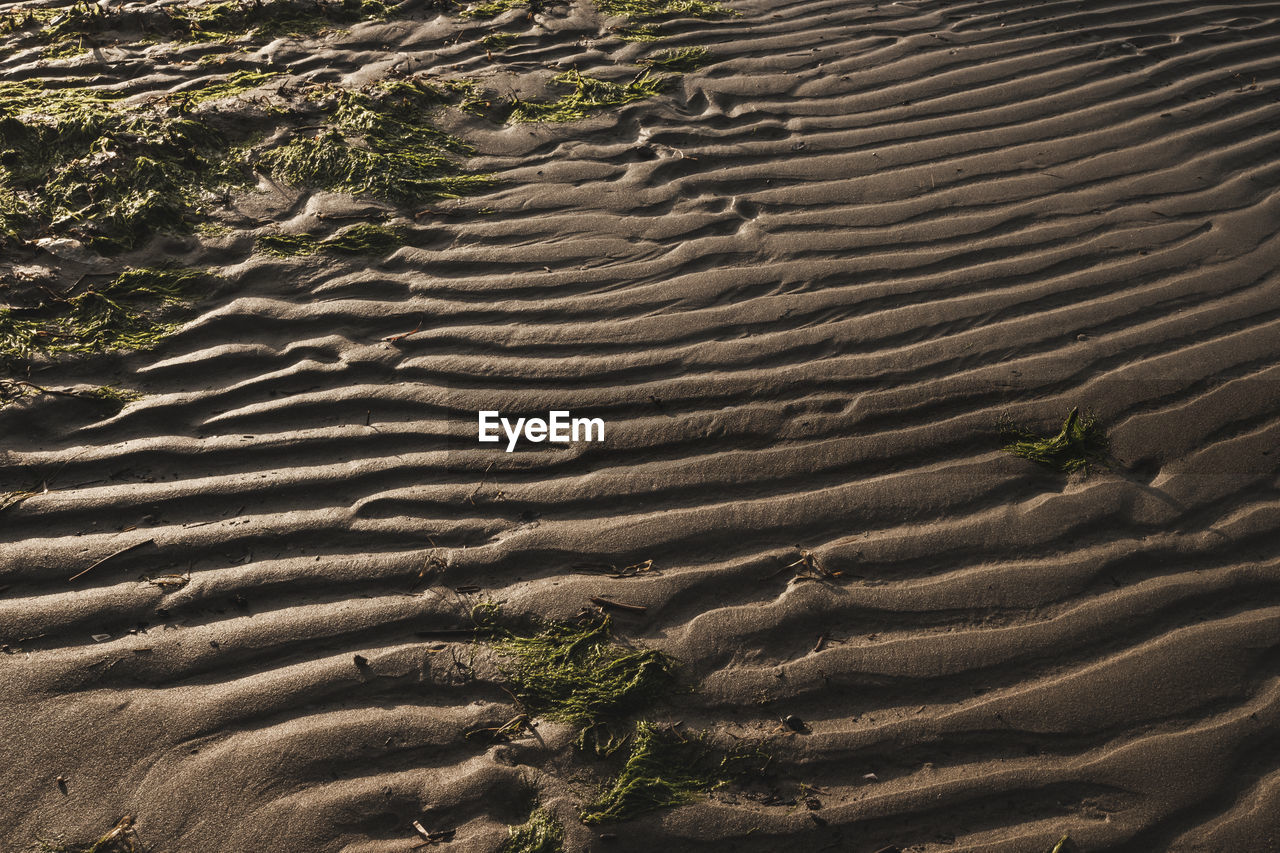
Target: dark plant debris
120	839
573	672
540	834
362	239
643	9
379	142
128	313
77	163
678	59
68	30
589	95
667	768
1081	441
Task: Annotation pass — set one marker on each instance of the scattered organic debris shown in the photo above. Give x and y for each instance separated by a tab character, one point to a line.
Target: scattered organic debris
678	59
492	9
119	397
434	836
236	84
612	570
121	839
503	733
640	9
1080	442
793	723
134	547
540	834
499	41
589	95
12	390
808	568
381	145
638	32
68	30
363	239
115	398
665	768
124	314
170	581
76	163
637	609
573	672
14	498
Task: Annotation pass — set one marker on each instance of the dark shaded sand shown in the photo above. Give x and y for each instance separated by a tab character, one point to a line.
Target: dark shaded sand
801	289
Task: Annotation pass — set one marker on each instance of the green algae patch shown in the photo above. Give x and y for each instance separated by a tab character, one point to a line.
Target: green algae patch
679	59
639	32
68	29
126	314
492	9
1080	442
114	395
363	239
379	143
663	769
77	163
590	95
236	84
499	41
540	834
574	673
641	9
287	245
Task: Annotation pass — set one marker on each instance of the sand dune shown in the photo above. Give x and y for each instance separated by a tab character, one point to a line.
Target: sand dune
801	289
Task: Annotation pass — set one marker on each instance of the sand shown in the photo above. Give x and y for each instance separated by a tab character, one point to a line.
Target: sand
801	289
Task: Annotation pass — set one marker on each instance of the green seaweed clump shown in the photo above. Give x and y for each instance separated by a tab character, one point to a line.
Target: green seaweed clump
678	59
122	315
574	673
65	30
638	32
287	245
540	834
1079	442
492	8
119	397
363	239
73	163
380	144
236	84
499	41
639	9
589	95
662	770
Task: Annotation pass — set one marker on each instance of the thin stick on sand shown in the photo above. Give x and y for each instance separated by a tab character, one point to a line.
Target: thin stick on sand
135	546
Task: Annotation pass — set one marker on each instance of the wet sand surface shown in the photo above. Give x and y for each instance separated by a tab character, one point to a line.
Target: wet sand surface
801	289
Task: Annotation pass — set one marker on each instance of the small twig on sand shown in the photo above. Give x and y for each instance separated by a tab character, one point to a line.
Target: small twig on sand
480	485
109	557
393	338
617	605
